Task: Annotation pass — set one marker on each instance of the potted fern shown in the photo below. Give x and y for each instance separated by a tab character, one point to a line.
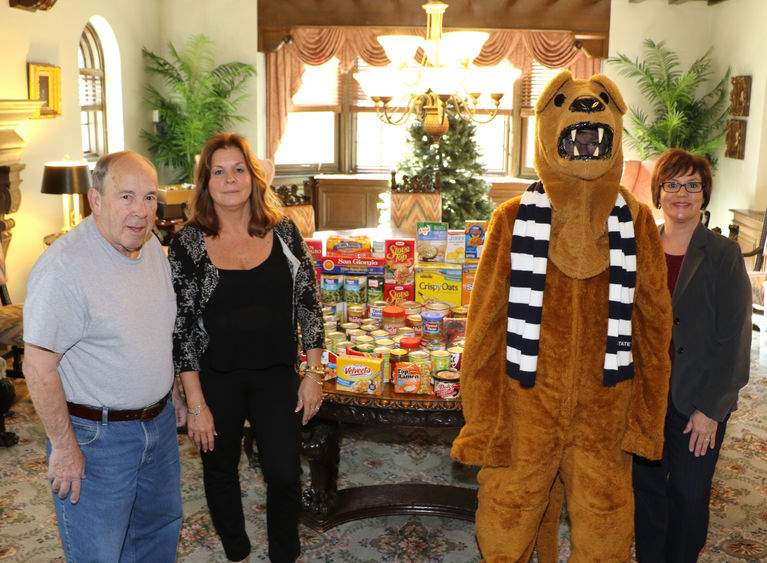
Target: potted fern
681	117
198	100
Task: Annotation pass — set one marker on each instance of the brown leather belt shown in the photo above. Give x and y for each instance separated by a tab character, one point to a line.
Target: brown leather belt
144	415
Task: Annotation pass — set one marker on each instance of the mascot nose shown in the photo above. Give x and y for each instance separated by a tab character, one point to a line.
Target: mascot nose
587	104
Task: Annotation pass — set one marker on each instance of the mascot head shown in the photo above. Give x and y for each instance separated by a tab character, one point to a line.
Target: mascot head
578	156
579	125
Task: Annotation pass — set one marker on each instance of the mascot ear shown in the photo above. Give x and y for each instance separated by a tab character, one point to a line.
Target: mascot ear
551	90
612	91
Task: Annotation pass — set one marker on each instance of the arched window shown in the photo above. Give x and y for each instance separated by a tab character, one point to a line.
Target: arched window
93	122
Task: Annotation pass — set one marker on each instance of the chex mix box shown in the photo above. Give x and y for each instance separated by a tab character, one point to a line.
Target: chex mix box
438	281
399	256
430	241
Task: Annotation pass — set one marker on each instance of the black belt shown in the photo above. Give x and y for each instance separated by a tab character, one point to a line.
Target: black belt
144	415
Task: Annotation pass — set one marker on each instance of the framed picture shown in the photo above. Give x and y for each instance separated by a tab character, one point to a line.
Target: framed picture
45	84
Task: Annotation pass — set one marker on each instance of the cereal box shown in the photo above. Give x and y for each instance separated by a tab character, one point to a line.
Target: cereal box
441	282
454	252
359	374
399	260
469	274
475	239
395	293
431	241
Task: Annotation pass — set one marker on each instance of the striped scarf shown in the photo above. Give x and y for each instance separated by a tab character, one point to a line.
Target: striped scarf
529	257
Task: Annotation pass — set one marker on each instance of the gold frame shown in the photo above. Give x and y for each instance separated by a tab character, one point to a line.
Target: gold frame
45	84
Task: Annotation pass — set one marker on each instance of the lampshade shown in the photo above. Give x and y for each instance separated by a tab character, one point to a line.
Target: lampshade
66	177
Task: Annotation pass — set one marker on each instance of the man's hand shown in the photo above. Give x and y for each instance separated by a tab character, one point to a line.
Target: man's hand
66	468
179	405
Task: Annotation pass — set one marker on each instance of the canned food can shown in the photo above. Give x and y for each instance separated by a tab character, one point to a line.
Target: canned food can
411	307
380	334
406	331
375	309
330	326
342	347
388	342
447	384
354	334
385	354
364	339
460	312
346	327
369	329
332	288
354	312
421	359
441	360
456	353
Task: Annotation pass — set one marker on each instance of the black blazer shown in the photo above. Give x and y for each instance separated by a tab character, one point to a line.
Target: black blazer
712	326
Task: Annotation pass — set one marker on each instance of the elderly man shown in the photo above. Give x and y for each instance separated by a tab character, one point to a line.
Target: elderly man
98	326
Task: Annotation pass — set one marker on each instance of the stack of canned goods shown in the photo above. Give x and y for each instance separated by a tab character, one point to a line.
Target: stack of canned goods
411	340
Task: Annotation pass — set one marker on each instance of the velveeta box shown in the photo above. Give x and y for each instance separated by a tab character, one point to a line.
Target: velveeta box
395	293
467	282
455	251
440	282
399	260
475	239
430	241
359	374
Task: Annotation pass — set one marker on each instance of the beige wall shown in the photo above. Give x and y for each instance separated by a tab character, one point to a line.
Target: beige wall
52	37
735	29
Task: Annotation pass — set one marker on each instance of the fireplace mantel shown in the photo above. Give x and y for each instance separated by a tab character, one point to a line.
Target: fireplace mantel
12	113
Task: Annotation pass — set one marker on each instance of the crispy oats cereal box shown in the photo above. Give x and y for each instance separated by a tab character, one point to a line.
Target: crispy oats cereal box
441	282
359	374
399	257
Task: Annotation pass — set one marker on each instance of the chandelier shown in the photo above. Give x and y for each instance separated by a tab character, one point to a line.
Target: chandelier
445	77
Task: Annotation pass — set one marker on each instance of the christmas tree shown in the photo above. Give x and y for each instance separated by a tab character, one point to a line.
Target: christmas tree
464	192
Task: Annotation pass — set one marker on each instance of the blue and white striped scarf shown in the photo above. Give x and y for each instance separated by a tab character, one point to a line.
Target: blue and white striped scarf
529	257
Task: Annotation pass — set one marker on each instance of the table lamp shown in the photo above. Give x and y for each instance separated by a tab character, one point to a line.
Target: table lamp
68	178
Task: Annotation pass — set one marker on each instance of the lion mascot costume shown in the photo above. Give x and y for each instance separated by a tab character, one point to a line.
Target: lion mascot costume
566	369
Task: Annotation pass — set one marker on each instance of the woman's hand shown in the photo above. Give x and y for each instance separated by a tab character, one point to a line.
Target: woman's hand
309	397
702	430
200	427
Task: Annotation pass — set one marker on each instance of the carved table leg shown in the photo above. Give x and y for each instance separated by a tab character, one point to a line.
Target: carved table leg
320	445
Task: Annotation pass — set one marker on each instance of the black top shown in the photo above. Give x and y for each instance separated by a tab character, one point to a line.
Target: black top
248	317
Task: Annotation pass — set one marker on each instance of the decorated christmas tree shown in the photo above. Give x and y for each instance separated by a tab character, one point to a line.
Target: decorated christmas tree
464	192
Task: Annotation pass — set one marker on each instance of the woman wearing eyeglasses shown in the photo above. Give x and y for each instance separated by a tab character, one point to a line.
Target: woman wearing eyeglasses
710	354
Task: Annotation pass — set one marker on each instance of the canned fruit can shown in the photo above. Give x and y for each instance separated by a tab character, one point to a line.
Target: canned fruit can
447	384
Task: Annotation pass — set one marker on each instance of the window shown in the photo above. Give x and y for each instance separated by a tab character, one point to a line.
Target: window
93	126
334	127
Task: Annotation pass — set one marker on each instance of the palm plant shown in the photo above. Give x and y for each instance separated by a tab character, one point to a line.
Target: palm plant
681	118
201	101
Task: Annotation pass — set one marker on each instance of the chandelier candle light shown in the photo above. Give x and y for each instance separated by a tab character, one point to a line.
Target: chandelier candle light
446	73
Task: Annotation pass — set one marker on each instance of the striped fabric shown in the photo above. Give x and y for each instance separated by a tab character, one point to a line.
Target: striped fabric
529	258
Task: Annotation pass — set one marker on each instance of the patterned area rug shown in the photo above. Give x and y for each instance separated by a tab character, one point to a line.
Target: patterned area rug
738	530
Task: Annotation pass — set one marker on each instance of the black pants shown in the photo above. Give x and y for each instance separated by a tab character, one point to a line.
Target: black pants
671	496
267	398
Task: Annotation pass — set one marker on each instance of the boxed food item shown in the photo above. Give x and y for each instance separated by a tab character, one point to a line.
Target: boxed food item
440	282
431	241
399	260
353	264
315	247
346	245
475	239
359	374
452	329
467	282
454	251
395	293
175	193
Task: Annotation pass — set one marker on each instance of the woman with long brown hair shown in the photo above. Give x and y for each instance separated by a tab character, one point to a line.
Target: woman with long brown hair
244	278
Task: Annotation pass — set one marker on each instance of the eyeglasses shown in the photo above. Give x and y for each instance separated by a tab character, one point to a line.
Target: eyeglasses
673	187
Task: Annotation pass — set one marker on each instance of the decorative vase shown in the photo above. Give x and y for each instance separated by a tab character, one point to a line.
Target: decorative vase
303	217
409	208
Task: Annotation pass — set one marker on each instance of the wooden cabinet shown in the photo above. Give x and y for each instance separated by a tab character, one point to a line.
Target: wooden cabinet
348	202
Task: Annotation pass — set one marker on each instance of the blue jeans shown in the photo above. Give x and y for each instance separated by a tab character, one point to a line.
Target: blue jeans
130	501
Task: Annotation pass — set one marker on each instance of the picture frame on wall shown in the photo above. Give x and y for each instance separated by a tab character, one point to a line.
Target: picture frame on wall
45	85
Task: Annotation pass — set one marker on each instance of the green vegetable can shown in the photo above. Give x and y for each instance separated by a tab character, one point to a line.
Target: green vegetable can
332	288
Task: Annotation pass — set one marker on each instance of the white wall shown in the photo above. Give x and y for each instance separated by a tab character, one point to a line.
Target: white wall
52	37
735	29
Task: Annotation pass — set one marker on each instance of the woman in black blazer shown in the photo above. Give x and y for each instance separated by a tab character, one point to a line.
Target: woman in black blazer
710	354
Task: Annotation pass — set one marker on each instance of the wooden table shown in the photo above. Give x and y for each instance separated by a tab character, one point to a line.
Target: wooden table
325	506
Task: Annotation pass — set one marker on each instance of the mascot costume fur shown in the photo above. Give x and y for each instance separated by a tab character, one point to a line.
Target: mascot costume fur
565	370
